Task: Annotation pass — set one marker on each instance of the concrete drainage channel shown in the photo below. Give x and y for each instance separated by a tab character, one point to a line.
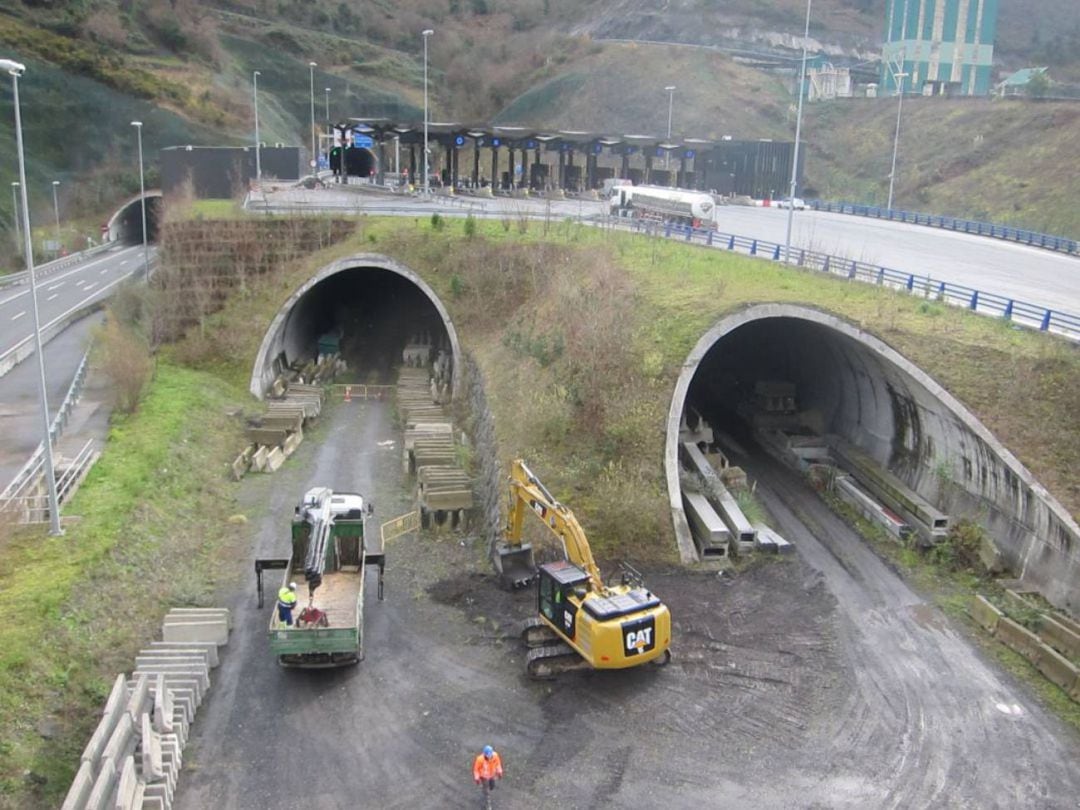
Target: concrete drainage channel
133	758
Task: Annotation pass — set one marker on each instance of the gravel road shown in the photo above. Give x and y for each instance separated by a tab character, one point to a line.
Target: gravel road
819	680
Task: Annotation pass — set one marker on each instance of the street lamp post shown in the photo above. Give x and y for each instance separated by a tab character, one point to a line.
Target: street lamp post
314	153
427	32
900	76
15	215
15	70
142	196
56	212
327	105
671	102
255	99
798	133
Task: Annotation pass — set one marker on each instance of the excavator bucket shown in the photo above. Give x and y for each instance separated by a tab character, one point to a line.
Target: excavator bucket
516	565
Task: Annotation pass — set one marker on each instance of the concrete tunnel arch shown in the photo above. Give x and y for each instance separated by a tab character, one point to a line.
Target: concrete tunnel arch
289	336
882	402
125	225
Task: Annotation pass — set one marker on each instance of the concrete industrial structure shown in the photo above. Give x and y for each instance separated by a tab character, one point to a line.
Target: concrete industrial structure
946	47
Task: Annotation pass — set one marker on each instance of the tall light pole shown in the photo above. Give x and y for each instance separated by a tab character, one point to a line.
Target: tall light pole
255	99
15	70
314	154
427	32
328	105
798	133
670	104
15	215
142	195
56	211
899	75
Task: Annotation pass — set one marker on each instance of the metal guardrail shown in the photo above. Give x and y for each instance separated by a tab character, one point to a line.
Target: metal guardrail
46	268
34	508
1022	236
1020	312
15	492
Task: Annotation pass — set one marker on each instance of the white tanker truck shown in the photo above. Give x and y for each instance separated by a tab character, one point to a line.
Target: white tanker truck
658	203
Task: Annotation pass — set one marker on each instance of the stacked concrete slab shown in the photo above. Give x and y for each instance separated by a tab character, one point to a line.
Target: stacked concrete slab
444	491
275	436
134	756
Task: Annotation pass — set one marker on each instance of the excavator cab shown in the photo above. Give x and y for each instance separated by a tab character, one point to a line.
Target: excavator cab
558	582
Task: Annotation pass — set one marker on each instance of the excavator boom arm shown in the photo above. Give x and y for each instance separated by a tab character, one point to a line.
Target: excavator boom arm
528	494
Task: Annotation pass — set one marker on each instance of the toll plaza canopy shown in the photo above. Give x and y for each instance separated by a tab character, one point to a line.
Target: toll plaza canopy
514	157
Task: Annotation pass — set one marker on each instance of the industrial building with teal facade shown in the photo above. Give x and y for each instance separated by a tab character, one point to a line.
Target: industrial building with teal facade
946	47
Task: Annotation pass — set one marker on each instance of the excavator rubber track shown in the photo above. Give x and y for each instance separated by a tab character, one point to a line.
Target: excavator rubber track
550	661
537	633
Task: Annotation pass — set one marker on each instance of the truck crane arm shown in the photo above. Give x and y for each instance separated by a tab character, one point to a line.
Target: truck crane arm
527	493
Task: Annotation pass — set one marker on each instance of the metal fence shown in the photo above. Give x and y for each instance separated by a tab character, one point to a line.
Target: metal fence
923	286
1020	235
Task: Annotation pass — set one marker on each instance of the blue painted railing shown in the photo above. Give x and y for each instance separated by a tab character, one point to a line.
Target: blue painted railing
1019	312
1021	235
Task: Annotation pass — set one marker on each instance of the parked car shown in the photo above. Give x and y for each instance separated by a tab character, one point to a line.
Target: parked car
791	202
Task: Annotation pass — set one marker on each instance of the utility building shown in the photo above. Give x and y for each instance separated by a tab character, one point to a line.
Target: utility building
946	47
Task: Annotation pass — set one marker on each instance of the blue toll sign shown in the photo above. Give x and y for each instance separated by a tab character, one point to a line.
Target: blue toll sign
362	141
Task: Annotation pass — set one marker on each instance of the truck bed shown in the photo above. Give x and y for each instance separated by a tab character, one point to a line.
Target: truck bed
336	596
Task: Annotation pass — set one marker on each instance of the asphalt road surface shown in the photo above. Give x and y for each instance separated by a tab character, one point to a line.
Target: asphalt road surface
1027	274
63	291
815	681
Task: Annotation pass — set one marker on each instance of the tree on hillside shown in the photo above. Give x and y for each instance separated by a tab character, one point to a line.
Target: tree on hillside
1038	86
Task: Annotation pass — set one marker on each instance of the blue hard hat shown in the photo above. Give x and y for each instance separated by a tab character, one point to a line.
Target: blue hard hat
488	751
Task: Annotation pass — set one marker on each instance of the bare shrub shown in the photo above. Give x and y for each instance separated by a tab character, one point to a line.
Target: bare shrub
125	358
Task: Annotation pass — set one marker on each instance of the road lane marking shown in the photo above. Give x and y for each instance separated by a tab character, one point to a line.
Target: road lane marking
56	286
106	270
16	317
89	287
51	297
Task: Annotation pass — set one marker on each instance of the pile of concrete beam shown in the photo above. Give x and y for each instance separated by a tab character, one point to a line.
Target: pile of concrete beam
134	756
310	372
274	436
444	491
709	540
1052	646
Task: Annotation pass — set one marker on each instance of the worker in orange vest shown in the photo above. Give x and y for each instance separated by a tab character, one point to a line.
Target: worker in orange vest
487	767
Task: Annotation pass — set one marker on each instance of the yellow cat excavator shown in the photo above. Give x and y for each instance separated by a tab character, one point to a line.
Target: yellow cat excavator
582	622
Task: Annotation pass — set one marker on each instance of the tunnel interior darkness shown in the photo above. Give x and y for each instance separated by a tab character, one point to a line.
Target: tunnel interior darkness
840	387
359	162
129	222
375	313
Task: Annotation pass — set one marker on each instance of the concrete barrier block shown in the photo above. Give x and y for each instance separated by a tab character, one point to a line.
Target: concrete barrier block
200	613
274	459
190	669
1057	668
95	748
258	461
210	650
292	443
79	792
212	631
1067	622
240	467
1060	637
1019	639
985	613
1015	603
104	786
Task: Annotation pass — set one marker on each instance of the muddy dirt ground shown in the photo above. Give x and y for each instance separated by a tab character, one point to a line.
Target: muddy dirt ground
814	681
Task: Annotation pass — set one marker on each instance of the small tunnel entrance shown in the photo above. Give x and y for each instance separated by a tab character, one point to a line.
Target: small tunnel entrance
359	162
125	226
377	311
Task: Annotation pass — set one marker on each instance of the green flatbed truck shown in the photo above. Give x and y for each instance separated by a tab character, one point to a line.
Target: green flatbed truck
330	551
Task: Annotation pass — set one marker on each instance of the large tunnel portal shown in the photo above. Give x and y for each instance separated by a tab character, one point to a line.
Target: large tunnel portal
790	380
373	308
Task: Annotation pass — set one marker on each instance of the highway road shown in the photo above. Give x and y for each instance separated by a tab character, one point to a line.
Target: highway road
1033	275
63	291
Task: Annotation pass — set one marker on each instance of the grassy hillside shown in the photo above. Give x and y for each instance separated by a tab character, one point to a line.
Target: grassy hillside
1005	161
624	311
